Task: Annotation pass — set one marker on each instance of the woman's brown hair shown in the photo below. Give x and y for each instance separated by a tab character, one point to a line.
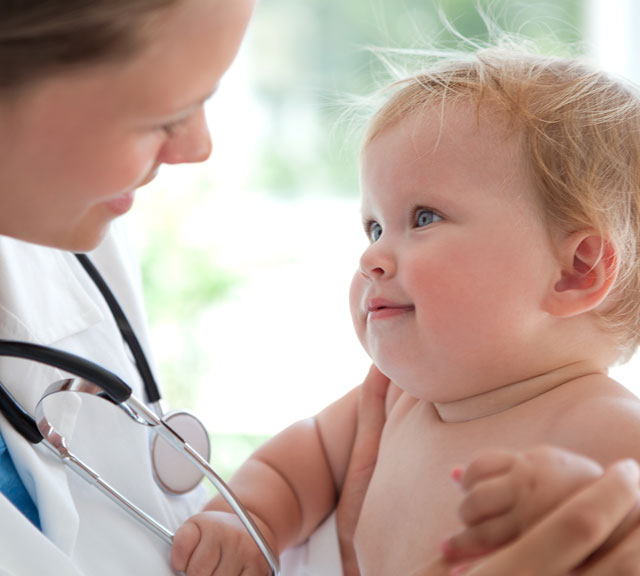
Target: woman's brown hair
43	37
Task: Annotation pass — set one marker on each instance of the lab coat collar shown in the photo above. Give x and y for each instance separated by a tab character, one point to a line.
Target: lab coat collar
31	311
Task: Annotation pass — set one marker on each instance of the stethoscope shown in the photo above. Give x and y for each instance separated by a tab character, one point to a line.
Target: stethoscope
181	431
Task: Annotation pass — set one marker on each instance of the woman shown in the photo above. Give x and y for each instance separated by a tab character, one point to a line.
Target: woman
94	97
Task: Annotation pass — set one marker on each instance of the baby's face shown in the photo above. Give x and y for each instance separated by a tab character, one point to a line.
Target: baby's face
447	296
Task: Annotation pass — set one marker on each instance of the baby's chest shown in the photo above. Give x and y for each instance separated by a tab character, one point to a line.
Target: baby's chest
411	504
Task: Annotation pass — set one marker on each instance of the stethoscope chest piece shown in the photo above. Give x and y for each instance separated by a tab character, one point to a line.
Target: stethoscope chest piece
168	464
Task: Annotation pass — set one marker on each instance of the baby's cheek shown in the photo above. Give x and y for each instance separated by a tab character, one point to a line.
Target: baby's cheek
356	305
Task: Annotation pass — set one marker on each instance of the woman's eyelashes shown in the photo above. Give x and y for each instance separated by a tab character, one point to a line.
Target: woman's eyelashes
421	217
170	127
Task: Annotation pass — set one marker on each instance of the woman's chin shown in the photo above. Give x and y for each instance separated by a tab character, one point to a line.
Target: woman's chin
85	240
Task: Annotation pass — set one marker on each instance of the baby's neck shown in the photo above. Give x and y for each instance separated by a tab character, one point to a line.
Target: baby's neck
506	397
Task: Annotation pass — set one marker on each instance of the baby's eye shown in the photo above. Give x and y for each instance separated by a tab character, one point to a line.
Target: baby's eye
425	217
374	230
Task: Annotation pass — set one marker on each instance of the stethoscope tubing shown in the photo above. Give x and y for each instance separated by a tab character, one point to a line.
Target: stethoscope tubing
124	326
113	386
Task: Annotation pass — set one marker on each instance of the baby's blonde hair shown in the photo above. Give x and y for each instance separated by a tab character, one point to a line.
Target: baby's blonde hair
581	131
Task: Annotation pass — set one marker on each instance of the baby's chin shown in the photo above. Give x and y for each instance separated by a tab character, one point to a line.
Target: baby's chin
416	383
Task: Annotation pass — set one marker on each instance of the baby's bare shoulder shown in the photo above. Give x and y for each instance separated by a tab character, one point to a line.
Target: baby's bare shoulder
602	421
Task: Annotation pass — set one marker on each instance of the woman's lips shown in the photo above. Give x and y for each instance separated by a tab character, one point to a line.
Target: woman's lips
123	203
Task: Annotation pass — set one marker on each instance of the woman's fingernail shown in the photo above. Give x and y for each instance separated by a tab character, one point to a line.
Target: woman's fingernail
460	569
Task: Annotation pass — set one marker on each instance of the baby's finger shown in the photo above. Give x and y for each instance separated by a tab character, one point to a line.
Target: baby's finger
488	499
185	541
490	463
206	560
480	539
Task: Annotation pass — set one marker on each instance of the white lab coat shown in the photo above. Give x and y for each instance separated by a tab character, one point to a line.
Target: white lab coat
47	298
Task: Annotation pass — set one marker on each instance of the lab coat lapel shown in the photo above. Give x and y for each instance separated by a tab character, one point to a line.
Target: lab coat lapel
42	314
46	481
32	552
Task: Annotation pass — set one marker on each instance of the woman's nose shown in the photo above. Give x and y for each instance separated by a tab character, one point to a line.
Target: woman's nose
190	143
377	261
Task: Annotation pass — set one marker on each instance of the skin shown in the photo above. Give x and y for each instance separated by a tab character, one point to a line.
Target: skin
371	419
505	493
76	146
560	543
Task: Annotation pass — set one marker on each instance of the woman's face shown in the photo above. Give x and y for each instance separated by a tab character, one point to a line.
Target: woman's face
74	148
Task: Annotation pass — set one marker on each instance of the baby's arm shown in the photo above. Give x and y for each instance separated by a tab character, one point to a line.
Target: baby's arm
507	492
289	485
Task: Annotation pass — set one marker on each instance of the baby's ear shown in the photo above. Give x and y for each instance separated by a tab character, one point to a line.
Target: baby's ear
588	270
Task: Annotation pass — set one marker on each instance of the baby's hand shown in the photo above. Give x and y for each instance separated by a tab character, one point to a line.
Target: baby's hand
217	543
507	492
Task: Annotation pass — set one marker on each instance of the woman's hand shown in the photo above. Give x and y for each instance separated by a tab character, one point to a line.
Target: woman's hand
563	542
371	418
507	492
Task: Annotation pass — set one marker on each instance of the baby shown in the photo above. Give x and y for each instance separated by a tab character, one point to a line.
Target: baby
501	200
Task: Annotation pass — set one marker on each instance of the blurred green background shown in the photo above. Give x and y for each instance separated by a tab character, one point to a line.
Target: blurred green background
309	55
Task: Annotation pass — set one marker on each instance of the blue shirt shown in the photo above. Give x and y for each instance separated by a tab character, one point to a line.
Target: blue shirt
13	488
